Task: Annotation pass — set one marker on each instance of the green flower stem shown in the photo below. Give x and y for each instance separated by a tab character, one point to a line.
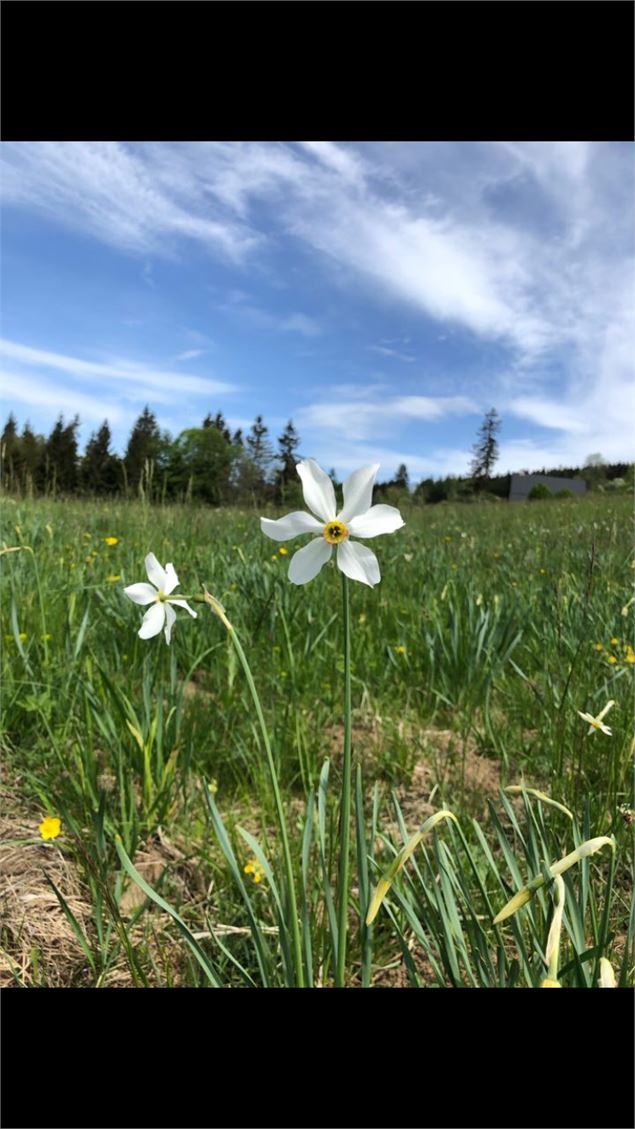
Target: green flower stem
297	947
345	809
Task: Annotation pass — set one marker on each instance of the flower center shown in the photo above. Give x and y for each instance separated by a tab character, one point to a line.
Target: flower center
334	532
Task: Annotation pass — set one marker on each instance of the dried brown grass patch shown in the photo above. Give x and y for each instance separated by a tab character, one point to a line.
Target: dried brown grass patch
38	944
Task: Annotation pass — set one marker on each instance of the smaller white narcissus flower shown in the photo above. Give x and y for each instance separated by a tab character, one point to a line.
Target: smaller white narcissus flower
596	722
357	518
160	615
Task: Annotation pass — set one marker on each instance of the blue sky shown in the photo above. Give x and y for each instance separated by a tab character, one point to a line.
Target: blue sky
383	295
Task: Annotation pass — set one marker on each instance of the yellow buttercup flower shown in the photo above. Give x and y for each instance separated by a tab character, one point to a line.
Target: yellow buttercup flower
614	642
612	659
254	868
401	650
111	540
50	827
283	552
599	646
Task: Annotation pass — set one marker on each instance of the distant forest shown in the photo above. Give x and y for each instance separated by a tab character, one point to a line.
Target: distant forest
212	465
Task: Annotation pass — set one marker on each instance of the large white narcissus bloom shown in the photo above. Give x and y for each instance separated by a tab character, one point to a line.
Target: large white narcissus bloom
357	518
160	615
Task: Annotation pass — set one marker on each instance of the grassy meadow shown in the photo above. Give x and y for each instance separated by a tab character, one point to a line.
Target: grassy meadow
493	625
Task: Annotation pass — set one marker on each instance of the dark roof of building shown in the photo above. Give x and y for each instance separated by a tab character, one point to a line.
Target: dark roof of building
521	485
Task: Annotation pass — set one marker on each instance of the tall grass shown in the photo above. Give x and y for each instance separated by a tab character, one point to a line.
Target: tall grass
487	624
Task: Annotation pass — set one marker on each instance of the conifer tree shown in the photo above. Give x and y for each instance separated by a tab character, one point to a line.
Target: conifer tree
61	457
145	445
33	453
10	455
485	449
260	455
100	472
287	475
402	479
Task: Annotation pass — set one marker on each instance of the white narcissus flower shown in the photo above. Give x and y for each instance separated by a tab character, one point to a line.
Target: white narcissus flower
357	518
161	615
596	722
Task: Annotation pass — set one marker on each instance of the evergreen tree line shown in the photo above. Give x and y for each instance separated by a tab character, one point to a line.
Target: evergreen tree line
211	465
207	463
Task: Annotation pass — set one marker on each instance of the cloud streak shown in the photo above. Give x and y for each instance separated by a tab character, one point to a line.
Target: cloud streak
146	380
362	419
524	245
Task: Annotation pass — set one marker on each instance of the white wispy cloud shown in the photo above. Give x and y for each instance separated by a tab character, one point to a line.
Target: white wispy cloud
361	418
240	309
189	355
113	192
143	378
524	244
384	351
38	393
438	462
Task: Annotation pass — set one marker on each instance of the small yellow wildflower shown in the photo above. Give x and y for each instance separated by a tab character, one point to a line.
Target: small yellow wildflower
283	552
612	659
629	657
400	650
614	642
254	868
111	579
599	646
111	540
596	722
274	557
213	786
50	827
22	636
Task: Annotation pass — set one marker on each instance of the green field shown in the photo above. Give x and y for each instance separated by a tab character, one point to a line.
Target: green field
493	625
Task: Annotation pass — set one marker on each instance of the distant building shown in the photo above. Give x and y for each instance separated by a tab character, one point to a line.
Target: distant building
521	485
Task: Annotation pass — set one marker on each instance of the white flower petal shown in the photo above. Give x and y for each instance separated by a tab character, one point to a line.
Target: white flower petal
358	492
292	525
172	580
141	593
307	562
153	621
184	604
358	563
317	488
156	574
170	617
376	520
